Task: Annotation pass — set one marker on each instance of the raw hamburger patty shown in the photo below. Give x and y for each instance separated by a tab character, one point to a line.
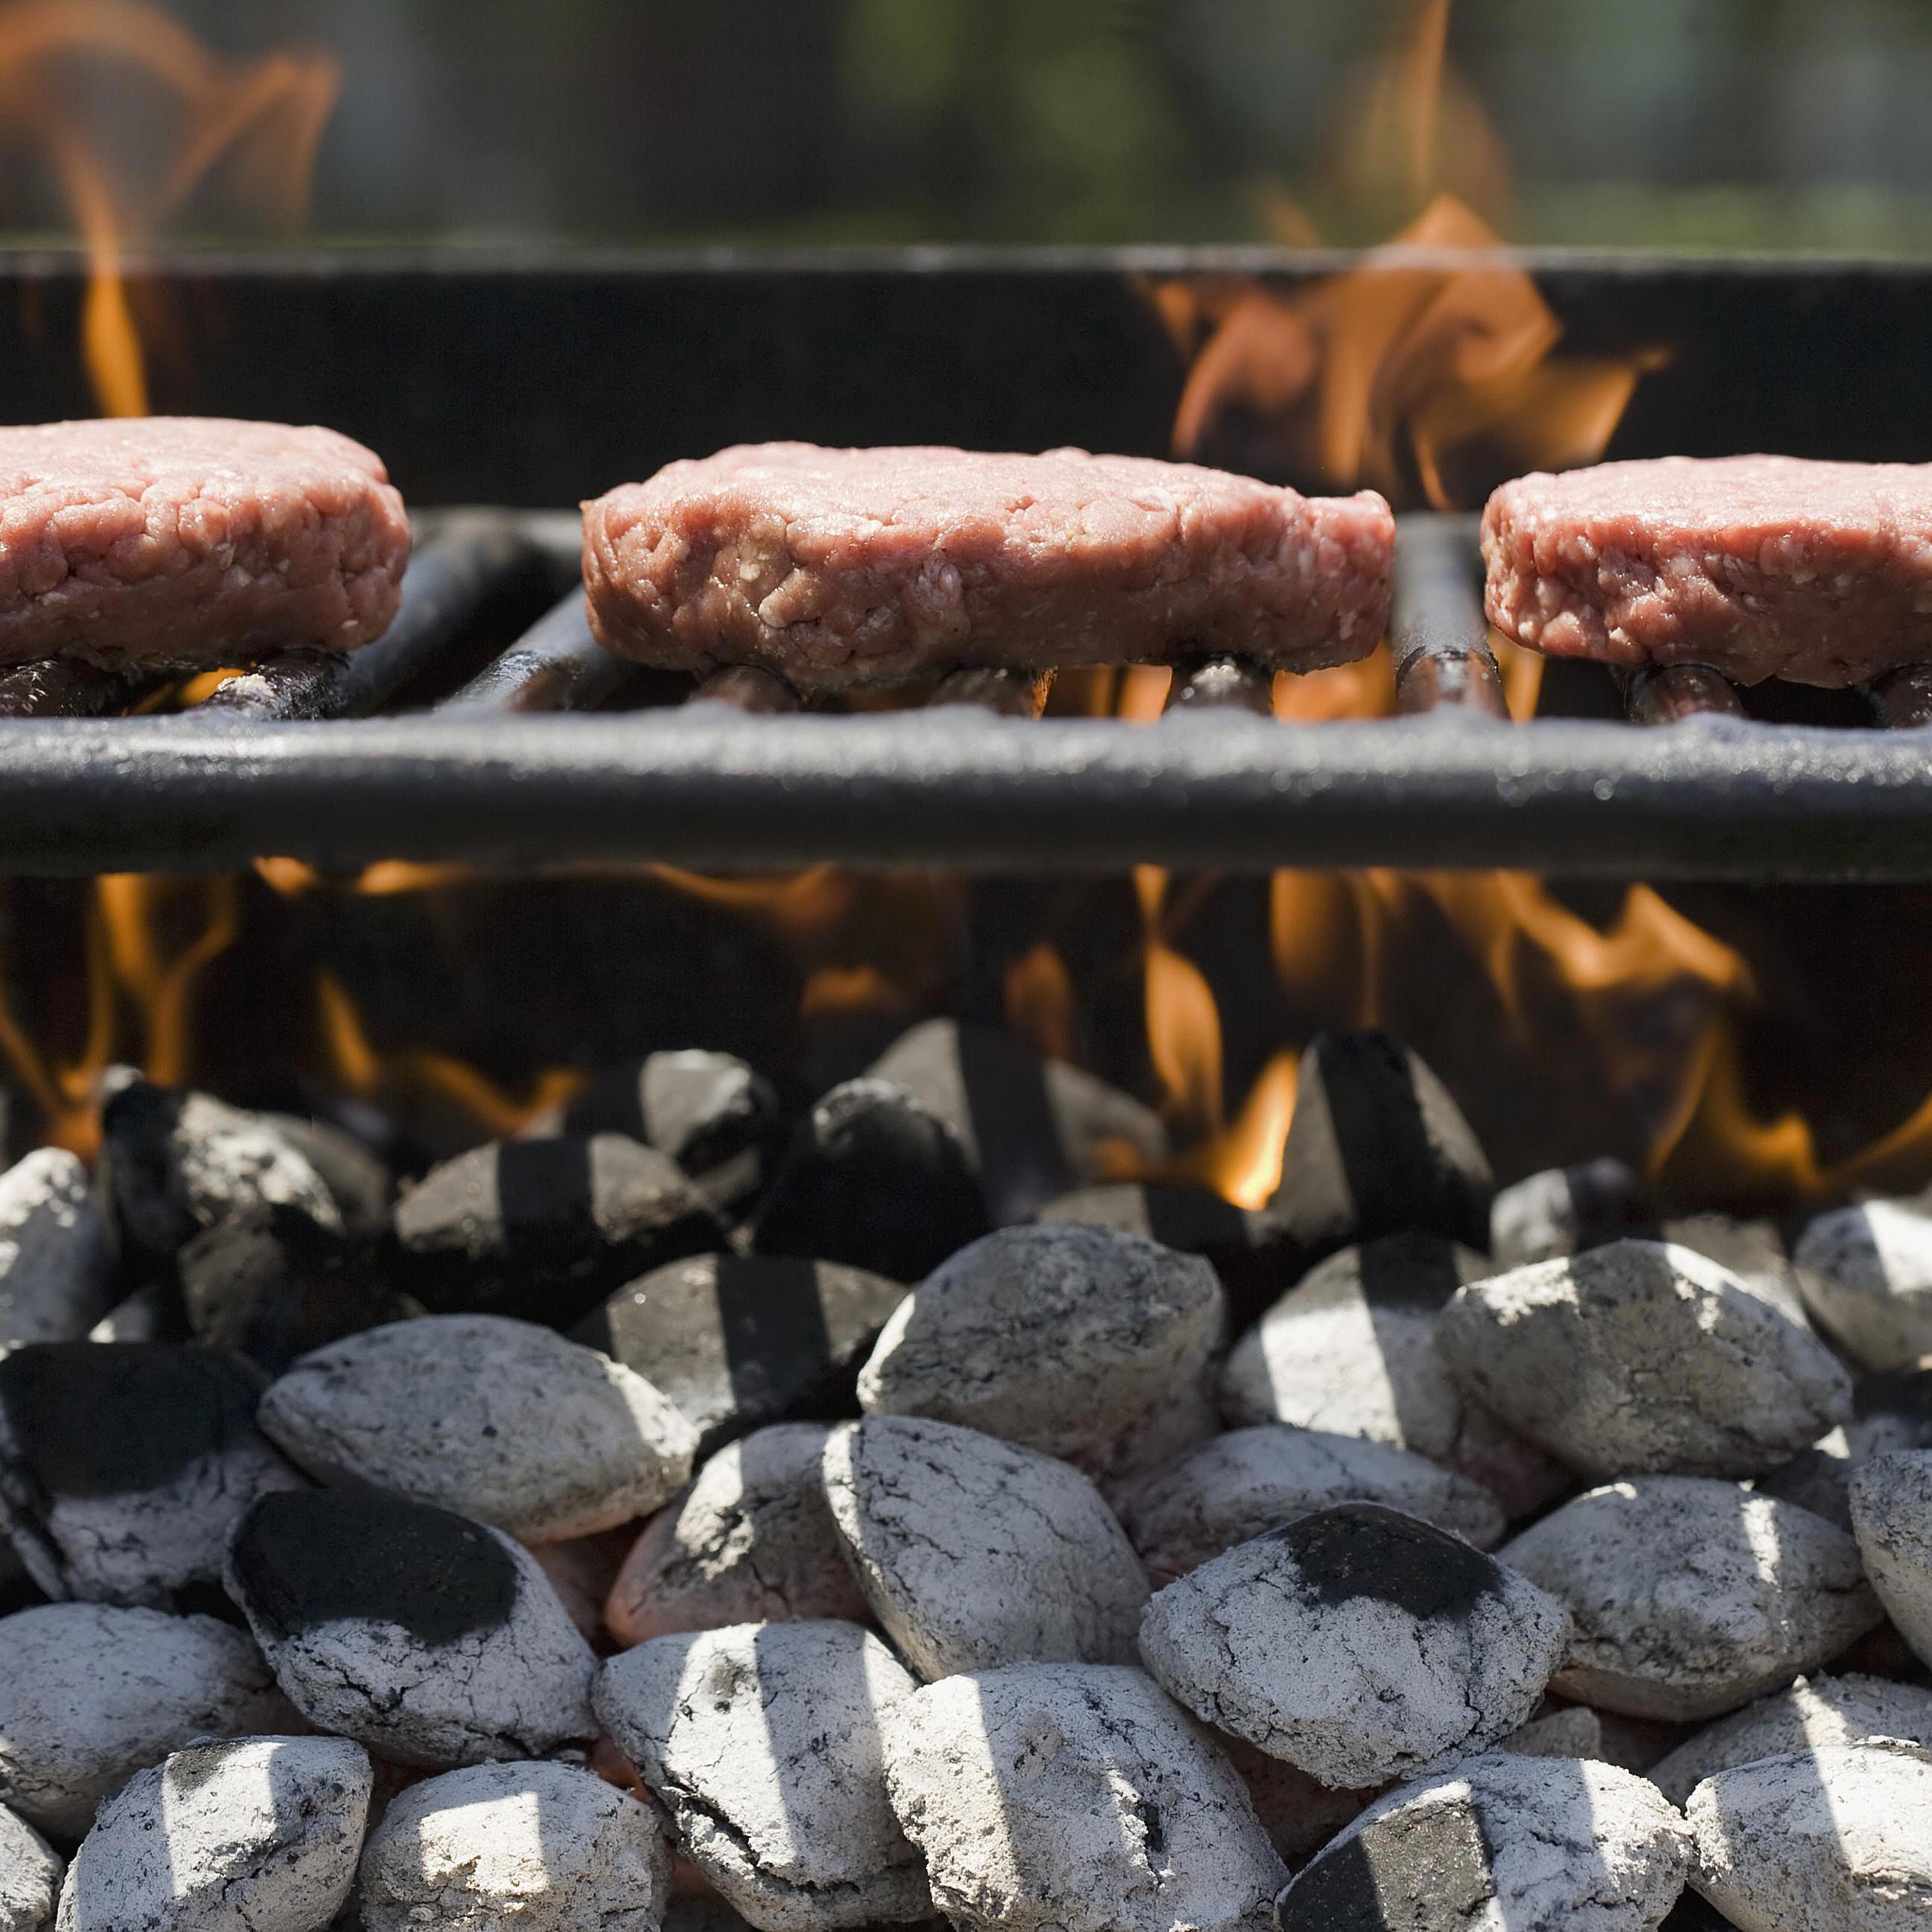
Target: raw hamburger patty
186	540
1763	566
837	567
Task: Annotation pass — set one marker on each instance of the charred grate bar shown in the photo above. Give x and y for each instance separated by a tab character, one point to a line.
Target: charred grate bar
733	772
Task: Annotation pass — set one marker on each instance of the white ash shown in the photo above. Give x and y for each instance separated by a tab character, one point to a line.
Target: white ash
176	1163
1833	1839
259	1834
974	1552
1250	1480
1866	1275
57	1262
1638	1357
30	1876
1811	1713
1352	1348
752	1541
543	1847
1299	1814
1575	1731
91	1693
1690	1596
1501	1843
1082	1342
1753	1251
496	1419
135	1507
434	1640
1891	1516
763	1741
1357	1644
1075	1798
1565	1209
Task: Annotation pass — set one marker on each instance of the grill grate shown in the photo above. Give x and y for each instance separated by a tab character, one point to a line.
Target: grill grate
412	748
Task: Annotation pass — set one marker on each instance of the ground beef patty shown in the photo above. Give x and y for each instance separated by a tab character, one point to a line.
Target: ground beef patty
1764	566
186	540
838	567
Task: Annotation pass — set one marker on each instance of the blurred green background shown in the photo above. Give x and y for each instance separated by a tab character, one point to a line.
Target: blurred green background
1690	124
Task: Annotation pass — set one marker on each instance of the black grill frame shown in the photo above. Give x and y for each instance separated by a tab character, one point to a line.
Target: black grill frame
1023	351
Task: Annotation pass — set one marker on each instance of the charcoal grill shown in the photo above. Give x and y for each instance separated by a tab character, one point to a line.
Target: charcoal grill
530	383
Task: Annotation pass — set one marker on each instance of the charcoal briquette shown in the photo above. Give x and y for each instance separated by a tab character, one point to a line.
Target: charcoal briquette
90	1693
30	1876
432	1640
543	1847
1639	1356
974	1552
1499	1841
257	1834
1891	1517
1865	1272
544	1229
357	1178
1690	1596
762	1742
1357	1644
57	1263
123	1465
1076	1797
874	1179
1085	1344
497	1420
1563	1210
1033	1126
1377	1147
752	1541
737	1341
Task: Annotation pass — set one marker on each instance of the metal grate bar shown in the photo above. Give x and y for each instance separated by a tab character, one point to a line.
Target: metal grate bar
1902	700
69	688
1440	636
449	584
1008	693
1667	694
556	665
745	688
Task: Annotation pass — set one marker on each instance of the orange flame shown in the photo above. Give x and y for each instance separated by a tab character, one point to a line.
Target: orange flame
264	119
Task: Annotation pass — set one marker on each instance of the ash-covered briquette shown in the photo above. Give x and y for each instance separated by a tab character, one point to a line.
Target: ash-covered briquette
275	1285
542	1847
1690	1596
1078	1798
544	1229
1891	1517
1638	1357
1377	1147
123	1465
1833	1839
1810	1713
57	1261
1248	1251
30	1876
709	1112
1352	1348
752	1541
1574	1730
1032	1127
873	1179
259	1834
1529	1844
352	1171
1251	1481
90	1693
763	1742
175	1163
1082	1343
974	1553
497	1420
1866	1275
737	1341
433	1640
1563	1210
1891	1410
1752	1251
1357	1644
